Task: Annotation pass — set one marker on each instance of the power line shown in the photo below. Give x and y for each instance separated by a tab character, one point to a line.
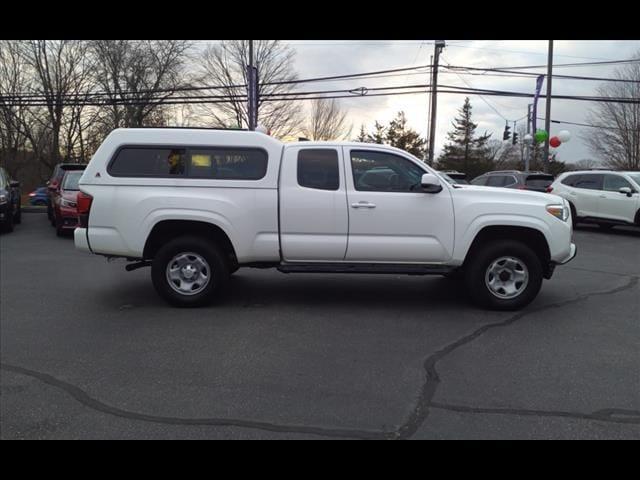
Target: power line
373	74
534	74
221	87
521	51
481	97
585	124
347	93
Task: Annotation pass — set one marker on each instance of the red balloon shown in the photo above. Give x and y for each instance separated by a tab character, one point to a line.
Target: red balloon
555	142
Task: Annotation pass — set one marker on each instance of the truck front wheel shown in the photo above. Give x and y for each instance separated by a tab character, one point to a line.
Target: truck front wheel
504	275
189	271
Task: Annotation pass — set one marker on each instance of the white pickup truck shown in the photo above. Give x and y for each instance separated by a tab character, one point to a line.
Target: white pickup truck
197	204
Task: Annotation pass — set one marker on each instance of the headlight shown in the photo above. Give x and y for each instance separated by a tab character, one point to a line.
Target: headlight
3	198
559	211
68	203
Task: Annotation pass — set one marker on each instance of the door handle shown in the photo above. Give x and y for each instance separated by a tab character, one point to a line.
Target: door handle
363	205
603	196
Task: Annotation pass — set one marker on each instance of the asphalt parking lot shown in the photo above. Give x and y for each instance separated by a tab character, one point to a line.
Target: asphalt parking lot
89	351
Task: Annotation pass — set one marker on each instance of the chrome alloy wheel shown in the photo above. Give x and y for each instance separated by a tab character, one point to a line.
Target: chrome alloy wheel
188	273
507	277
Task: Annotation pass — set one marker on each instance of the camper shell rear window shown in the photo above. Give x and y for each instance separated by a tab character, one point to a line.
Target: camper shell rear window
215	163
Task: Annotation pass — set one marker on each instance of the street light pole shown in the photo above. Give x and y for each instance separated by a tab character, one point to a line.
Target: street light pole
547	120
434	97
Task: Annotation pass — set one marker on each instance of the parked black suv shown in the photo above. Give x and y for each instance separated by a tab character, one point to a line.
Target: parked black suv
537	181
459	177
10	211
54	183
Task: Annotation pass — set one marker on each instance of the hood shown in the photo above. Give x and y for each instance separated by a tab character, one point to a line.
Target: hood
505	194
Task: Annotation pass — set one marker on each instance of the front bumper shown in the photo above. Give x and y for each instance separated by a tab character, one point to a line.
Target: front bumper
551	266
572	253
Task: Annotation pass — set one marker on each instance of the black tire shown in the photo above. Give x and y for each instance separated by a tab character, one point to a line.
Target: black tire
574	218
218	271
454	275
49	212
479	263
59	230
7	225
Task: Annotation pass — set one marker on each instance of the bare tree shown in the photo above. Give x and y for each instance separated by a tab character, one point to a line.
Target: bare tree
617	140
136	76
225	65
584	164
13	79
327	121
61	70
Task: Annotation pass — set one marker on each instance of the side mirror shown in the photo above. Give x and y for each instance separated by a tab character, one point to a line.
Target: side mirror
14	184
626	191
52	185
430	183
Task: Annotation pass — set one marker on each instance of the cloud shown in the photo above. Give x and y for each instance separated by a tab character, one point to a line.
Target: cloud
324	58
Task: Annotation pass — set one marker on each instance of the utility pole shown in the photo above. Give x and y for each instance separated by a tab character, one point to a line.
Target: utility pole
527	155
434	97
547	120
252	90
426	154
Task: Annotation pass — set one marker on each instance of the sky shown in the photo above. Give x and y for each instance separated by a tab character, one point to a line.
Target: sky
329	57
324	58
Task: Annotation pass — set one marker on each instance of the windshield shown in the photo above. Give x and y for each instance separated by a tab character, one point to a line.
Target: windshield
71	180
635	177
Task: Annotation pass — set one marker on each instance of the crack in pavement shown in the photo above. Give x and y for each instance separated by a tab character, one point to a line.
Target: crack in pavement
611	415
95	404
432	380
405	431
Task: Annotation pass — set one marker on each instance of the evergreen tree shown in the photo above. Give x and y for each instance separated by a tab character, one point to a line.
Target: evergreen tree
465	151
407	139
362	137
379	135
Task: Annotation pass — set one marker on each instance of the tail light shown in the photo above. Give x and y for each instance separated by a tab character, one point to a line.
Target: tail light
549	189
84	205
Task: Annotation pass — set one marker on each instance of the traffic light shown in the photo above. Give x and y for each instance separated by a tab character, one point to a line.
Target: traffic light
507	133
515	138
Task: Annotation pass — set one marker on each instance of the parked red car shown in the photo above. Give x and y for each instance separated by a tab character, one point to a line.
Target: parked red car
55	182
65	202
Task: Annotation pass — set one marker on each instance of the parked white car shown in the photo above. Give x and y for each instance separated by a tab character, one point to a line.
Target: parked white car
197	204
607	198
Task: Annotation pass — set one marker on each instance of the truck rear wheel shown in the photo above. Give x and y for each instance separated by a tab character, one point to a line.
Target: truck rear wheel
504	275
189	271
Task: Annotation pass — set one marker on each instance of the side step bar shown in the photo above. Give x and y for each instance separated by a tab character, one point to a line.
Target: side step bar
395	268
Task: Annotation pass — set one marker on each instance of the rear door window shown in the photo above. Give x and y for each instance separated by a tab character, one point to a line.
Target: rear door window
539	181
318	168
496	181
589	181
479	181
